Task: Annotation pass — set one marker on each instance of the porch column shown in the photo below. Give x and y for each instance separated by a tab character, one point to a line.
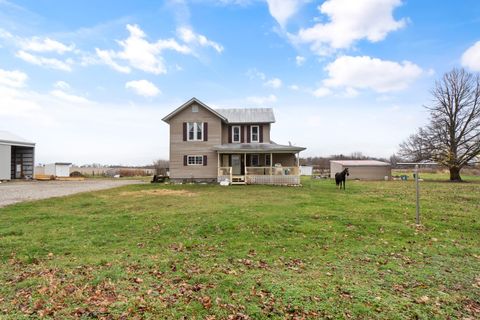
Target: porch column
218	164
245	163
298	159
271	163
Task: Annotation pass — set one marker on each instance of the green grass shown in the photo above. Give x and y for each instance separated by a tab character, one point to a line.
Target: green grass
259	252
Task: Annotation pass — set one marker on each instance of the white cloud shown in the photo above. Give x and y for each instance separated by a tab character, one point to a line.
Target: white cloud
364	72
283	10
299	60
69	97
51	63
294	87
255	74
62	85
350	21
273	83
37	44
322	92
15	78
4	34
143	88
262	100
189	36
27	46
471	57
107	58
140	53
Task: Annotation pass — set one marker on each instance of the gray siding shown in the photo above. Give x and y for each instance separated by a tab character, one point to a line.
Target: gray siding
5	159
362	172
285	159
180	148
265	127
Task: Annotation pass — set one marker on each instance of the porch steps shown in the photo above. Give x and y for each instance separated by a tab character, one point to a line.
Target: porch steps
238	180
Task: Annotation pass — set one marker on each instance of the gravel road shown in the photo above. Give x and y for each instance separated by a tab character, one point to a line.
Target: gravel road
13	192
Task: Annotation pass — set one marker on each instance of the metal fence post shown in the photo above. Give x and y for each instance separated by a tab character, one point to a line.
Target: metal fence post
418	194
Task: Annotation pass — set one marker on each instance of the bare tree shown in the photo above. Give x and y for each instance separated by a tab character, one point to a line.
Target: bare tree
161	167
452	138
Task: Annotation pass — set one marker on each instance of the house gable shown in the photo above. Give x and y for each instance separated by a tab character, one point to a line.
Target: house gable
181	148
189	104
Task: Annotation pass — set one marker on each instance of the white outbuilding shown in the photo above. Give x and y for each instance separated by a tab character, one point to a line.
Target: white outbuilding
58	169
17	157
362	169
306	170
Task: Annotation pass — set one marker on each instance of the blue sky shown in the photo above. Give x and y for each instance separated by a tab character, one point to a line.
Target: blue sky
90	81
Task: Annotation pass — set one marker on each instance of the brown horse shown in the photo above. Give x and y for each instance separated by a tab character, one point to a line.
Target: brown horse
341	177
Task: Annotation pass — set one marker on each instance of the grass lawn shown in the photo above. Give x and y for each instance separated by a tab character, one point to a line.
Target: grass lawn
254	252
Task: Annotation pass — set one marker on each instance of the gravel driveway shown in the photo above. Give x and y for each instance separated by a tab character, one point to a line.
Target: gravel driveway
13	192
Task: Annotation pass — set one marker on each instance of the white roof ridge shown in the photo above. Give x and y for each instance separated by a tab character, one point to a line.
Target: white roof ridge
8	137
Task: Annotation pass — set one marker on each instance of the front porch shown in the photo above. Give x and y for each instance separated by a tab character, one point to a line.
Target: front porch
259	168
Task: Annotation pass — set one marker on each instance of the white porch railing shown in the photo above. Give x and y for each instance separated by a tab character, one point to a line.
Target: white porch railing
275	171
224	173
264	175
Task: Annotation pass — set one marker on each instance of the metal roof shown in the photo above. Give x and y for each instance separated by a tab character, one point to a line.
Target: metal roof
256	147
361	163
248	115
14	140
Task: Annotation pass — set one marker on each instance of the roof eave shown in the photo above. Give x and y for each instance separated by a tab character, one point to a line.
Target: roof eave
183	106
247	150
17	143
252	122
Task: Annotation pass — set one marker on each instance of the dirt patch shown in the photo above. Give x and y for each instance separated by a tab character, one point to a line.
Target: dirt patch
158	192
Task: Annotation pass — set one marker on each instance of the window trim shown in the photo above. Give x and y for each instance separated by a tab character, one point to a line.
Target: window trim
258	134
239	134
195	158
196	126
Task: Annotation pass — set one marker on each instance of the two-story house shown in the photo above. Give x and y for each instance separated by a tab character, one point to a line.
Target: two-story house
228	144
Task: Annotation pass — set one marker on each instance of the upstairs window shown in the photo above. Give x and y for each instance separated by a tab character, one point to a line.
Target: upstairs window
236	134
195	131
194	108
255	133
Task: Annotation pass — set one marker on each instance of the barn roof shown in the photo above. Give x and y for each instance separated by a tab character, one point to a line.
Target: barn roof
9	138
361	163
248	115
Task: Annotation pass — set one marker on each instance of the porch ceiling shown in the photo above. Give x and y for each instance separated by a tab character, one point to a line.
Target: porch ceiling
256	148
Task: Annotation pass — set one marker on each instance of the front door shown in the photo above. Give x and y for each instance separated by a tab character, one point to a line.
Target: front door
236	164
